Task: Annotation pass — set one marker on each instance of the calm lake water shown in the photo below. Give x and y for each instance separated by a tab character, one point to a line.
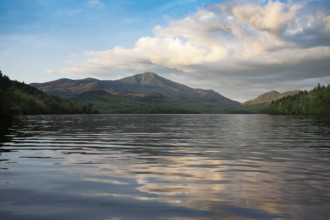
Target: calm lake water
165	167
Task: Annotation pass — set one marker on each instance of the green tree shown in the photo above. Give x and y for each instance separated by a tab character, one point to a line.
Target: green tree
315	102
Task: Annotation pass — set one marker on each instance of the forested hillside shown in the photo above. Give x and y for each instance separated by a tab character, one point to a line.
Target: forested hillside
260	104
140	93
314	102
146	93
19	98
151	103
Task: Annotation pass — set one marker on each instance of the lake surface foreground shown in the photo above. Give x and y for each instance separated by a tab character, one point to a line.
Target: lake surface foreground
164	167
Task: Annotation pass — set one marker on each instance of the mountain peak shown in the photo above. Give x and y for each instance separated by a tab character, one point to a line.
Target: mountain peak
270	96
149	74
147	78
265	97
139	84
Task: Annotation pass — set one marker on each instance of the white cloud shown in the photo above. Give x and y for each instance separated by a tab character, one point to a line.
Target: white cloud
94	2
51	72
177	53
272	18
228	42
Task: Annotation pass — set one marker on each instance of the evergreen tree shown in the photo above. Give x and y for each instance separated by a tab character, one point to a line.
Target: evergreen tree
315	102
19	98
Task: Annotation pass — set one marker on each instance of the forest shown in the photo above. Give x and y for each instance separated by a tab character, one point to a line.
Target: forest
17	98
150	103
314	102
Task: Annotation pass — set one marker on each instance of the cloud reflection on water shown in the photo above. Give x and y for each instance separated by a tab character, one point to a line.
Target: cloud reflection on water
233	167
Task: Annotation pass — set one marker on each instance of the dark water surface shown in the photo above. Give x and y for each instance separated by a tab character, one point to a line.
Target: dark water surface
165	167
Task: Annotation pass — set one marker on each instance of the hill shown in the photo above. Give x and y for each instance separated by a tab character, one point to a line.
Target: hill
150	82
314	102
139	94
261	103
265	97
19	98
144	104
270	96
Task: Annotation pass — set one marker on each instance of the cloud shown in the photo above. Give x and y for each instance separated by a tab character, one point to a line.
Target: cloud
50	72
93	2
272	18
241	44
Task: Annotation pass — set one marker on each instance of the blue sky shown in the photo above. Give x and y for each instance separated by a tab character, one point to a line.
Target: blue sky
37	35
238	48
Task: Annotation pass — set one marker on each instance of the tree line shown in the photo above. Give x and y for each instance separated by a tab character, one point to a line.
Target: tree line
314	102
18	98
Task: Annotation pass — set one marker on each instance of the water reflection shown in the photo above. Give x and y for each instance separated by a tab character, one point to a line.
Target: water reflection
169	166
5	125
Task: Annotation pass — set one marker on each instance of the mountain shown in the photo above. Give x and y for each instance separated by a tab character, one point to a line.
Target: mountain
314	102
19	98
66	88
147	103
261	103
138	84
142	91
270	96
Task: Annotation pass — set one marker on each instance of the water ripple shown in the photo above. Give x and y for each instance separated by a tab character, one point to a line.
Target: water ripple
165	166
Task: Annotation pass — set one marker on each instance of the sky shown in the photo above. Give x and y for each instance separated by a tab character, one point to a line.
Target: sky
239	48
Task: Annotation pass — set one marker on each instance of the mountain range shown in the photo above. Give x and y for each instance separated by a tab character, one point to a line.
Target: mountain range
139	93
150	93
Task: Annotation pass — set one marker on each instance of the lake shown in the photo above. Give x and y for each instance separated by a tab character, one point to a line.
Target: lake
165	167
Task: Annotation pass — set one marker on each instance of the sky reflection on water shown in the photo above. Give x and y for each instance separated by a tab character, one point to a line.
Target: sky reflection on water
165	166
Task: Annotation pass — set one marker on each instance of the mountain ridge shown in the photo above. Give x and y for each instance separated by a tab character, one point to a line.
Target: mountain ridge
270	96
137	84
18	98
